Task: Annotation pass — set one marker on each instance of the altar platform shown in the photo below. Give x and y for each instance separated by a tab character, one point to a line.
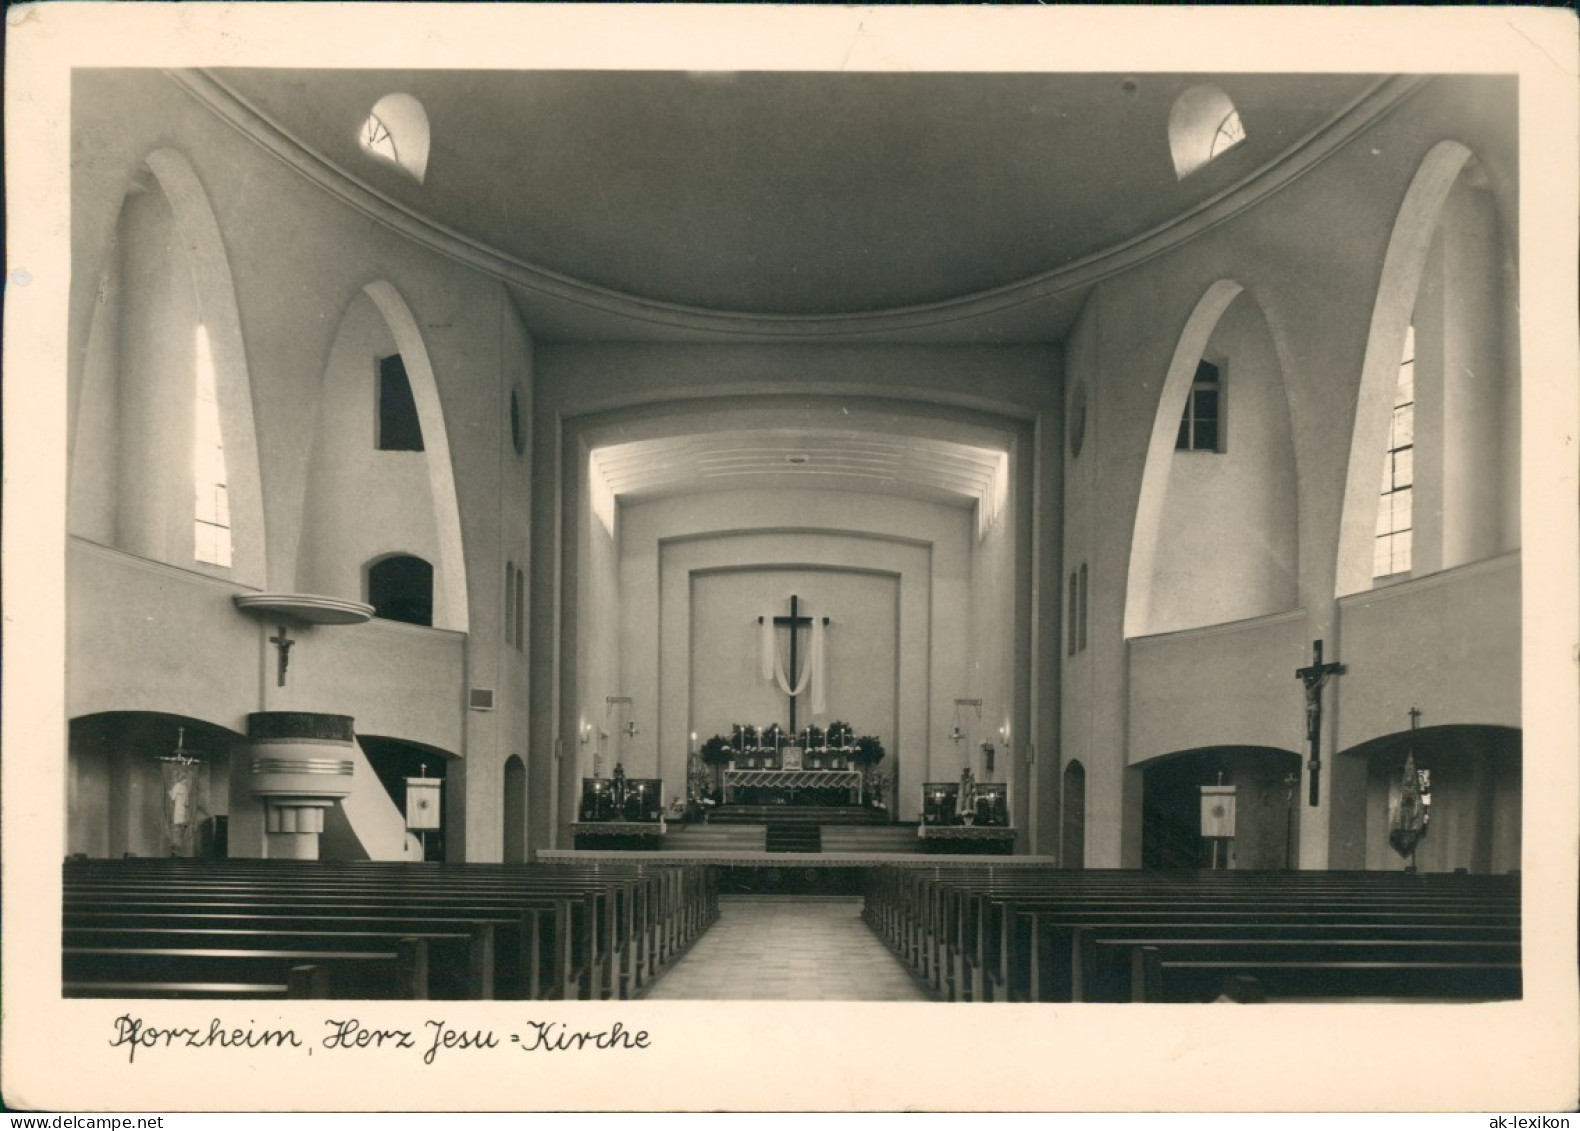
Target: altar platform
743	814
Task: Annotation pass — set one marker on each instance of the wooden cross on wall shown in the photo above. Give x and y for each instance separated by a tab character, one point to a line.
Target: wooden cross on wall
793	622
1314	677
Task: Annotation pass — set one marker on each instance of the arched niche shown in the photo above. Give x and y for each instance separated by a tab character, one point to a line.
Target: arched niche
1449	273
167	305
400	588
1216	531
1475	778
1266	800
1072	822
148	783
515	840
363	503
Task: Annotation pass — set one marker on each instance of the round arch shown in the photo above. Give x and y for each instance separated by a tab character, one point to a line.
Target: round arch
1404	263
1257	469
451	608
1188	351
214	296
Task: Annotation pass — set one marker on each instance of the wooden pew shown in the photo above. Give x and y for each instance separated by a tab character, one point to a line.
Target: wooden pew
526	930
993	934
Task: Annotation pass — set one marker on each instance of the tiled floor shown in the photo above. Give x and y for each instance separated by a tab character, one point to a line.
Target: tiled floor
788	948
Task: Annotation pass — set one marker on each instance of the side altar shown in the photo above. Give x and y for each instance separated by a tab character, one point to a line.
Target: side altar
620	813
967	816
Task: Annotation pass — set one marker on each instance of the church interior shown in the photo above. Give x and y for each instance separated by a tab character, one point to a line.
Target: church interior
1074	479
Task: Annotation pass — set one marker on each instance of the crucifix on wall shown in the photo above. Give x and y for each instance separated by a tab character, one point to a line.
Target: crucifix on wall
811	672
284	643
1314	677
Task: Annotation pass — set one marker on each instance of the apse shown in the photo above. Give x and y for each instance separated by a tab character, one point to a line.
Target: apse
693	531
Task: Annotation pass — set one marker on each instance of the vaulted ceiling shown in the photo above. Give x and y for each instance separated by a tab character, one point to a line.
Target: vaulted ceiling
635	205
798	200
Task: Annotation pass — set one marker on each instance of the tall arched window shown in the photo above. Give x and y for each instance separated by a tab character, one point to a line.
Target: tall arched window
1396	510
211	522
400	588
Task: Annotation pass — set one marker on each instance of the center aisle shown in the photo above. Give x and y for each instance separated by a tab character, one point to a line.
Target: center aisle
788	948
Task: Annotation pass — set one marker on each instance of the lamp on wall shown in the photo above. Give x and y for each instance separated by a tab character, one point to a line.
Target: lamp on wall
956	734
613	701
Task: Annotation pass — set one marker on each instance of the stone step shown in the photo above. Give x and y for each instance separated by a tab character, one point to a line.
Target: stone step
792	836
872	838
715	838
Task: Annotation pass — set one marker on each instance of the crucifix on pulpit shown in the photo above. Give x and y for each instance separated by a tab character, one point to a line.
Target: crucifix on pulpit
284	643
809	673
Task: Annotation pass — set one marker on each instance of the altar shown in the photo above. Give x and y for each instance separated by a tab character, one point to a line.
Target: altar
788	785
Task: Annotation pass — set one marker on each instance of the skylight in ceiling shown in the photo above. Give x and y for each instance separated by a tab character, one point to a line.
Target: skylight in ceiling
396	132
1203	125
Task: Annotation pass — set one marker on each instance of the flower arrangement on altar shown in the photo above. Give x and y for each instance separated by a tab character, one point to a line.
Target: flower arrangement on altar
813	738
717	751
840	735
772	737
869	751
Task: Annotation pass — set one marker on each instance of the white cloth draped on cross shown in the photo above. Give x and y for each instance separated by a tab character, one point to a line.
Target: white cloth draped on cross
813	671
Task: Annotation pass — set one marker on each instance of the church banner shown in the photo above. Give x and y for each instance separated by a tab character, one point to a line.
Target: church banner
1217	811
422	803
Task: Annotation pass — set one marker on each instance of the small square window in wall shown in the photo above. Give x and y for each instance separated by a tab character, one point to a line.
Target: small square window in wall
1201	424
399	428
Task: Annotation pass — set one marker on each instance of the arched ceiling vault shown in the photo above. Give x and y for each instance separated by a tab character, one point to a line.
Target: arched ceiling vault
938	454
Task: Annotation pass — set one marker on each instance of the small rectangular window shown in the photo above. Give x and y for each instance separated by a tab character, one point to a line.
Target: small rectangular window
399	428
521	611
510	601
1201	424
